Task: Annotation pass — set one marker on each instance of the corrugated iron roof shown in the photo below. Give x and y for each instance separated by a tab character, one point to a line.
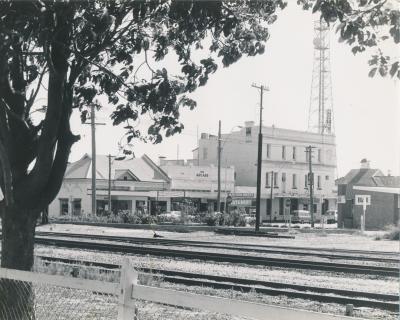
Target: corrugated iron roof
137	167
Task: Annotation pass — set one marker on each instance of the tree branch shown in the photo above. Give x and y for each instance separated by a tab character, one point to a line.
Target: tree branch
31	100
6	176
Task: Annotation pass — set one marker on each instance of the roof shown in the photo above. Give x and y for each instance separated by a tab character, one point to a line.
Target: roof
360	177
378	189
387	181
142	169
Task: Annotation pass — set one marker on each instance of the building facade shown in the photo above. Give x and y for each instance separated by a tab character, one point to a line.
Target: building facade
134	185
383	191
285	166
197	184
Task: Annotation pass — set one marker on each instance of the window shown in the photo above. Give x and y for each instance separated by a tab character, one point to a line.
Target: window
326	177
267	178
63	206
268	150
275	179
76	207
283	176
294	181
294	153
283	152
205	151
306	181
248	132
319	182
319	155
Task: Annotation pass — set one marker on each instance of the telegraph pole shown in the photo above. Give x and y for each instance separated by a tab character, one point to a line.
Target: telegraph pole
93	131
262	88
93	128
272	190
311	183
109	183
219	168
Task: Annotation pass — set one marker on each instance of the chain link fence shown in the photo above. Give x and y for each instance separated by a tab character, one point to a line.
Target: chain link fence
37	300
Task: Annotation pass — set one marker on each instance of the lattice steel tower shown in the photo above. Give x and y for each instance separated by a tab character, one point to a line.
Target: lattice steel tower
320	115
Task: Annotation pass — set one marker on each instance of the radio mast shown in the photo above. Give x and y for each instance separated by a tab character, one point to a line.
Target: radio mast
320	115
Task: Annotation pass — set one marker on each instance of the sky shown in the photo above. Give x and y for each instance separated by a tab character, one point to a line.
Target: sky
366	110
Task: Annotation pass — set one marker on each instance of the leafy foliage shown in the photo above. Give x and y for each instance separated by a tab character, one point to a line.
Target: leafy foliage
96	53
365	24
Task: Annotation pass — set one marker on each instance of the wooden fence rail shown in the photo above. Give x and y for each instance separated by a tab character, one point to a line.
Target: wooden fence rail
128	291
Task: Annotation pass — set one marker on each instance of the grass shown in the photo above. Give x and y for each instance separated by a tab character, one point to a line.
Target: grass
76	271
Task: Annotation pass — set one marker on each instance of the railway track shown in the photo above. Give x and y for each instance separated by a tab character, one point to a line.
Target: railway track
327	254
222	257
328	295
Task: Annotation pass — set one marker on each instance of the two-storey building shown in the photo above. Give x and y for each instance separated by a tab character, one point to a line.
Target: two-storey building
285	166
199	184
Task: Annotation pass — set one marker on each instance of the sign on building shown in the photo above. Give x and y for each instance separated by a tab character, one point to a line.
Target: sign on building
171	194
241	202
341	199
243	195
363	200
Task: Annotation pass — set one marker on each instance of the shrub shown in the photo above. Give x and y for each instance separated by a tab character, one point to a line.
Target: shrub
148	219
393	233
211	219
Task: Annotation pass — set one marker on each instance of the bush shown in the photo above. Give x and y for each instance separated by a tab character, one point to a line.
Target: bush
211	219
393	233
148	219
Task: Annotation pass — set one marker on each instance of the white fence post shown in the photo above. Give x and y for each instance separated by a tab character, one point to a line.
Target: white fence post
129	277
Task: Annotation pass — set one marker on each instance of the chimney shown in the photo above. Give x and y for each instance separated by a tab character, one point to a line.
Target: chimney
365	164
161	160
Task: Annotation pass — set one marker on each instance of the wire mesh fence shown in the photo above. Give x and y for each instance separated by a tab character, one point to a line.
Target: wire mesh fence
23	300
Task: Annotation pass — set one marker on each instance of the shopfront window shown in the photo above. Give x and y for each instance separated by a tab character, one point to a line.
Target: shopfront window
141	206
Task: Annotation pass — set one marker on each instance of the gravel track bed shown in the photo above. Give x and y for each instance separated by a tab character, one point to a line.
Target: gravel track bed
244	253
366	313
377	284
316	240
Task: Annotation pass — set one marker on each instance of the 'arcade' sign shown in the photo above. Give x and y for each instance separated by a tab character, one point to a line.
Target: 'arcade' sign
202	174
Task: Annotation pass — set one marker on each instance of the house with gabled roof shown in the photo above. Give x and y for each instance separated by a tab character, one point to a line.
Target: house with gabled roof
383	191
134	184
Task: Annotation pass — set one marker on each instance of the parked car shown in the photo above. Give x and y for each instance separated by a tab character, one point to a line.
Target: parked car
331	216
302	216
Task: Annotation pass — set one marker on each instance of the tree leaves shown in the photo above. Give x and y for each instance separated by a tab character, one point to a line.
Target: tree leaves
362	25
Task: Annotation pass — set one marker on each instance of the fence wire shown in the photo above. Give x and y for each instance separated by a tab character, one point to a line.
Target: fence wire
20	300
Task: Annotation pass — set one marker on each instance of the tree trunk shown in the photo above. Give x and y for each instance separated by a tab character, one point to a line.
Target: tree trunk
18	232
